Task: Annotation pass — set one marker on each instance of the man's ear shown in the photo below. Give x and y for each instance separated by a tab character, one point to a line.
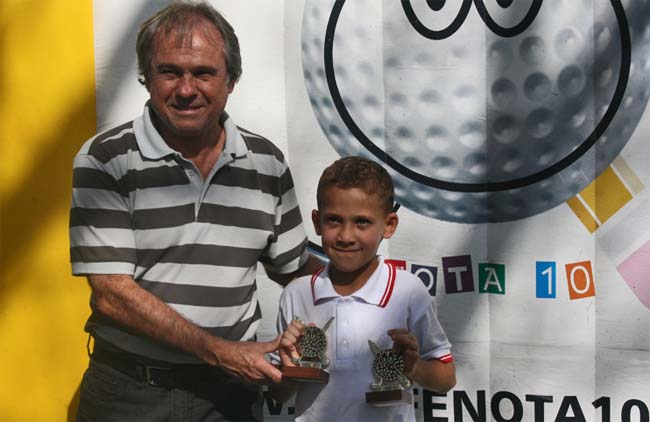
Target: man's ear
315	219
391	225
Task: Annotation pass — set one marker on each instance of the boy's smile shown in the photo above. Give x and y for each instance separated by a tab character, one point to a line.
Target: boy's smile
352	224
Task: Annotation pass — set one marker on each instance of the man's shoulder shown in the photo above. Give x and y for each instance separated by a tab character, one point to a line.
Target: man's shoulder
258	144
110	143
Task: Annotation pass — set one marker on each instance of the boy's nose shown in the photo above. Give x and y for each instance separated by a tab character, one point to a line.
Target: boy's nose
346	234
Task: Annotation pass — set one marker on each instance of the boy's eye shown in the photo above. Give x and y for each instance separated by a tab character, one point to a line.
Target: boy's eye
331	220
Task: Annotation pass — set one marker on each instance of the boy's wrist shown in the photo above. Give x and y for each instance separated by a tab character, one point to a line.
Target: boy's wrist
412	374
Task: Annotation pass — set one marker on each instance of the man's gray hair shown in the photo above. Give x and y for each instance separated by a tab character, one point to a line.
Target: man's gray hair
182	17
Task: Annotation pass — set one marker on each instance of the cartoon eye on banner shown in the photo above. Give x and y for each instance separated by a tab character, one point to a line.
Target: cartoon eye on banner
483	114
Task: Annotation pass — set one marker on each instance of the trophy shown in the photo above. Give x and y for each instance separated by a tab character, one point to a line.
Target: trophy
310	366
389	388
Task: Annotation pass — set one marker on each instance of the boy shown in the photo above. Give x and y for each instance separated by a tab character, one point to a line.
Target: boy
369	299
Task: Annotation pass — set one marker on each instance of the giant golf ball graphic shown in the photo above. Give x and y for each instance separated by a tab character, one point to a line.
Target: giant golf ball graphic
483	111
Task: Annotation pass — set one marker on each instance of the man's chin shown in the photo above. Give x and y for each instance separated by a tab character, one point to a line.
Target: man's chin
188	130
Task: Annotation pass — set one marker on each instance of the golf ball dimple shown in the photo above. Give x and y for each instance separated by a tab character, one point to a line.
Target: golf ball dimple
477	127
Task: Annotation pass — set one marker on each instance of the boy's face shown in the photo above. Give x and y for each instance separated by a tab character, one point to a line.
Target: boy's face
351	224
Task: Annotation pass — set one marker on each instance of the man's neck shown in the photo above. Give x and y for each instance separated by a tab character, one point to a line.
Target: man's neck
203	149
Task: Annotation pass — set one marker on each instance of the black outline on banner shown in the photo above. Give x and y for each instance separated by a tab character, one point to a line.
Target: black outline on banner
626	56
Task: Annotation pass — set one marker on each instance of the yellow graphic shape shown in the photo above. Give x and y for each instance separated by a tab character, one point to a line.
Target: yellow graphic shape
581	211
605	196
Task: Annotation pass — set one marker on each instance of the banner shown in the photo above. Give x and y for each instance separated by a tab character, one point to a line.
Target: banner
518	136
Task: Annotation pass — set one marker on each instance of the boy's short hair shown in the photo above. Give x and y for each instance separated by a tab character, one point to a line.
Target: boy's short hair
361	173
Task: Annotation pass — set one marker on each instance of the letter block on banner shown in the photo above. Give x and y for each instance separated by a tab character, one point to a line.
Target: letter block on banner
428	275
457	271
545	275
492	278
580	279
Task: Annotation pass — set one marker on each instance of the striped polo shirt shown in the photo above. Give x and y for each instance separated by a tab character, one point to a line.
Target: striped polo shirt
139	208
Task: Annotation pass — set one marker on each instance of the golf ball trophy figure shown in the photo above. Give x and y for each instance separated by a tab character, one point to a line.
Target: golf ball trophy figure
390	381
311	365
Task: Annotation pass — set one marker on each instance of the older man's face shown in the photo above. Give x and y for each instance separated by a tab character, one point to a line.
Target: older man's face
189	84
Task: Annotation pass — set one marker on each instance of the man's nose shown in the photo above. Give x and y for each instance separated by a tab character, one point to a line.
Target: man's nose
186	86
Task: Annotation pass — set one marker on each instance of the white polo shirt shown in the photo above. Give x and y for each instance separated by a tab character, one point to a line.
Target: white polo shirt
390	299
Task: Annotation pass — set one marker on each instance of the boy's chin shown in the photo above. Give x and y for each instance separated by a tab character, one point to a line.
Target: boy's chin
347	272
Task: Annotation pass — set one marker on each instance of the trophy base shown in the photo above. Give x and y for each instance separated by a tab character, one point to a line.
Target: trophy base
388	397
300	374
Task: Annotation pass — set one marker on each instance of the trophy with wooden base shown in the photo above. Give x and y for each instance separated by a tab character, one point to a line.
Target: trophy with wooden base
310	366
389	388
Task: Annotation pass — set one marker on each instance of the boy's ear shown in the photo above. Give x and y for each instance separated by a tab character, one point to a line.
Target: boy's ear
315	219
391	225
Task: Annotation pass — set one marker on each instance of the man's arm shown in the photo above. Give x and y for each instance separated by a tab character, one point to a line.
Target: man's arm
121	299
312	265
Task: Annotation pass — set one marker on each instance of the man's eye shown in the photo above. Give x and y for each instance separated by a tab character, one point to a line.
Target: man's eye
169	74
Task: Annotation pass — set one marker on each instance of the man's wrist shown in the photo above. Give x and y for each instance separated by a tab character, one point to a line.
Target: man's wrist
215	347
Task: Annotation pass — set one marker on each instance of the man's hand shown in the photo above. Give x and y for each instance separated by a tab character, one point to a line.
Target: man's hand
408	346
245	360
288	341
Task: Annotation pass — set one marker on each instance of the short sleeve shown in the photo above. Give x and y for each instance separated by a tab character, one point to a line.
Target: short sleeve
424	324
101	238
287	251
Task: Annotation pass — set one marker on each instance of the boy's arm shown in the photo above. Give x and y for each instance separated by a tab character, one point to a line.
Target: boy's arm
433	374
283	391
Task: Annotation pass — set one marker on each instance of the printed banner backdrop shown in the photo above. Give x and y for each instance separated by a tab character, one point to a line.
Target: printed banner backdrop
518	134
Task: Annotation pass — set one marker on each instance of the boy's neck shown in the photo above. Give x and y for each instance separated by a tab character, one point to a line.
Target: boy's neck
346	283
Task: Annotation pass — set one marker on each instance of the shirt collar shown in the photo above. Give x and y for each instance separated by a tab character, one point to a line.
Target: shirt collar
376	291
153	146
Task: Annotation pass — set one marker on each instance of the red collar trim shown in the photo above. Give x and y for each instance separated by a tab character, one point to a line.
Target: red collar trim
313	282
389	286
388	292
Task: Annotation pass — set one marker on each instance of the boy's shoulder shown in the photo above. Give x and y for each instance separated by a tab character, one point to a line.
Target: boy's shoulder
407	283
408	278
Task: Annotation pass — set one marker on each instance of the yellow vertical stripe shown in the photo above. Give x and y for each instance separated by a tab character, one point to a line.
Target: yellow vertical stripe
606	195
47	109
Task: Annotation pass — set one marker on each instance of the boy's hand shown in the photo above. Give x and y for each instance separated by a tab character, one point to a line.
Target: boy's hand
287	349
408	346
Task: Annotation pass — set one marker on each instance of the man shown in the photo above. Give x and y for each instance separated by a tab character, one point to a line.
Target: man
170	214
